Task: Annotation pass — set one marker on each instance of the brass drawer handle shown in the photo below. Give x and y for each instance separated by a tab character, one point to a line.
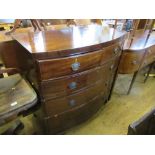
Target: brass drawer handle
117	50
72	103
73	85
75	66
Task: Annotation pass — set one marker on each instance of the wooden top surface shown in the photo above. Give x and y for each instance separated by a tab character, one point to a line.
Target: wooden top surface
78	37
140	41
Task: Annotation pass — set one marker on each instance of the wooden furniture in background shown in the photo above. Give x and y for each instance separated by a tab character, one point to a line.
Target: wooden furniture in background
138	52
73	70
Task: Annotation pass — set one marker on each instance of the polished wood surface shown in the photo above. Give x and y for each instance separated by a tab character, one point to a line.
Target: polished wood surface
72	101
73	70
139	54
140	40
63	121
68	85
69	40
57	67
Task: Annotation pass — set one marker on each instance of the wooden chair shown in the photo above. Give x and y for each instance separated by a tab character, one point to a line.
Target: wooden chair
144	126
16	97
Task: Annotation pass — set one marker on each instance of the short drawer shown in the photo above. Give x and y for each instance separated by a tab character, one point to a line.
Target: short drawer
111	51
130	61
53	68
60	105
70	84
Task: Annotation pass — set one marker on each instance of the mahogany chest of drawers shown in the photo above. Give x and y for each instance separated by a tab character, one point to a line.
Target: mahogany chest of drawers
73	70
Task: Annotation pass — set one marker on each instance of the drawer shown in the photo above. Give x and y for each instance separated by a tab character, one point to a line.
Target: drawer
59	123
53	68
60	105
70	84
111	51
130	61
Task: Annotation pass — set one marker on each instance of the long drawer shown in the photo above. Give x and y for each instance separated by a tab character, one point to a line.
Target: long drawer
70	84
59	123
70	65
60	105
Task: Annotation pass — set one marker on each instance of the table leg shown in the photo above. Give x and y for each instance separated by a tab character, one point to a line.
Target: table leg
131	84
147	75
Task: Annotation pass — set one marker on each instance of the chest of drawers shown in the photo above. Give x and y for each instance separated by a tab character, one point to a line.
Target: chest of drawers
73	74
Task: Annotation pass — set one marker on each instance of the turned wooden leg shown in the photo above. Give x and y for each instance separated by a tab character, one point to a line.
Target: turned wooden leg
133	80
147	75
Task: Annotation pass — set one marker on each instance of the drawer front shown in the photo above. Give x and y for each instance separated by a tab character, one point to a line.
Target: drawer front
59	123
130	61
60	105
64	66
70	84
111	51
53	68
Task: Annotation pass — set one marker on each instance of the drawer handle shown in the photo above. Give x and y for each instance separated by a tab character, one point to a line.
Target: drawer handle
106	83
72	103
75	66
116	50
145	62
111	67
72	85
134	62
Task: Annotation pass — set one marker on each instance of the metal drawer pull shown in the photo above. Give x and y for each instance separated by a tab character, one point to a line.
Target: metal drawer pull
72	85
117	50
75	66
106	83
134	62
72	103
145	62
111	67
